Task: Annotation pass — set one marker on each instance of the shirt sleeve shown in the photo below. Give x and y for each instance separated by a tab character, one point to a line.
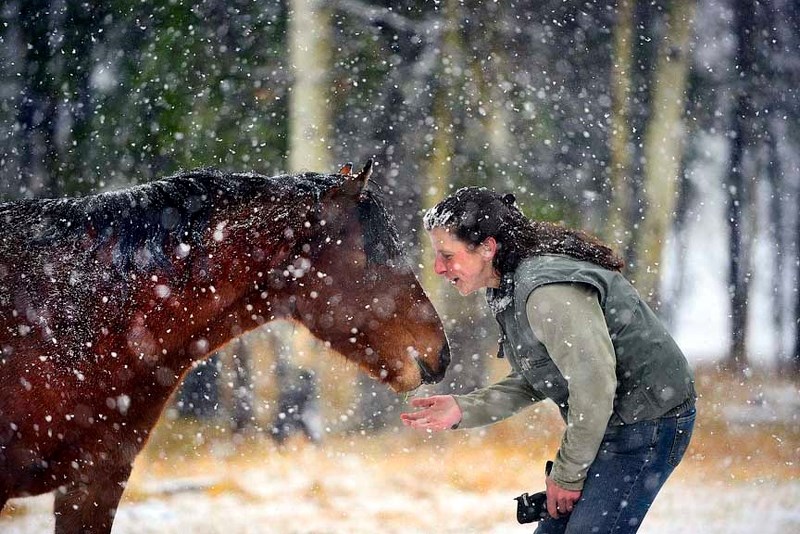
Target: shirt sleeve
568	320
496	402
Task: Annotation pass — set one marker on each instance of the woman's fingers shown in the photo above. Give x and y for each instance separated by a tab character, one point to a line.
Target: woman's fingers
564	506
423	402
560	501
567	505
420	417
413	416
425	424
425	419
416	423
552	506
439	412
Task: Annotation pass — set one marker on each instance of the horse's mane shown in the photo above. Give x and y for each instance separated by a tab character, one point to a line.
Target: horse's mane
179	208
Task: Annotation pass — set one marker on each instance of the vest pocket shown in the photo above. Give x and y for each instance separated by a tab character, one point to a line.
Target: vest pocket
637	405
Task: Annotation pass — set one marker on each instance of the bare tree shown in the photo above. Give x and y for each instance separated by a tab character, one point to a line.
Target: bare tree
310	128
309	44
739	194
243	398
37	115
617	230
663	145
795	361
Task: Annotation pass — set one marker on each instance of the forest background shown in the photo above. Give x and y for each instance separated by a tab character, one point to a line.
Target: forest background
668	128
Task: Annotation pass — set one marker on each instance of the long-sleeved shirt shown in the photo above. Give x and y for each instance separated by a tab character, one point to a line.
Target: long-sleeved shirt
567	319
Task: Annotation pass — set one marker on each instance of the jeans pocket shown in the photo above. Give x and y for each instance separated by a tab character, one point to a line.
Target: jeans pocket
630	439
683	434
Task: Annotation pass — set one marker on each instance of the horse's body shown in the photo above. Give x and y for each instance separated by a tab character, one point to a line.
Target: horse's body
107	300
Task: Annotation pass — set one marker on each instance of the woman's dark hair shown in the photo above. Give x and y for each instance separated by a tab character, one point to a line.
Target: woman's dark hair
476	213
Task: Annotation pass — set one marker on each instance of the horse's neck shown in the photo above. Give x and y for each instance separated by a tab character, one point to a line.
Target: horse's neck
228	291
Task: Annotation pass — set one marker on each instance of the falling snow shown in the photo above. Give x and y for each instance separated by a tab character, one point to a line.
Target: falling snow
669	129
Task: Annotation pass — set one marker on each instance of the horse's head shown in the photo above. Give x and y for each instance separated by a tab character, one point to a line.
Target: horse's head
359	294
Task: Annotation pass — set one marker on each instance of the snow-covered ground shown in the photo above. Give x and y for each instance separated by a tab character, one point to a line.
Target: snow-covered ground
361	499
740	475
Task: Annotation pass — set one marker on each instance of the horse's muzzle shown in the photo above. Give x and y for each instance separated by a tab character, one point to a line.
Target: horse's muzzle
429	376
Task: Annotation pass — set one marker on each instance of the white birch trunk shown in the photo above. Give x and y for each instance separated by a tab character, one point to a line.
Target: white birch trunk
663	146
309	117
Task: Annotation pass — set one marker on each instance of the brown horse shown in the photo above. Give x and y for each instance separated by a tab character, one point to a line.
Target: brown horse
107	300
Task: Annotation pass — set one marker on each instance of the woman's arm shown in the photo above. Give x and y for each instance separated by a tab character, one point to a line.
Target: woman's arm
496	402
479	408
568	320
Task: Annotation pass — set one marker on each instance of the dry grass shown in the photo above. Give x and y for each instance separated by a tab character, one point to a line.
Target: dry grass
742	451
194	473
508	455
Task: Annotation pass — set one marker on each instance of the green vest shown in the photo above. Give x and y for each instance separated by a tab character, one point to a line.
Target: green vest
653	376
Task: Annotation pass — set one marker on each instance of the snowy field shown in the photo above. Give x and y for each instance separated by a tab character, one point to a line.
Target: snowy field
741	475
353	496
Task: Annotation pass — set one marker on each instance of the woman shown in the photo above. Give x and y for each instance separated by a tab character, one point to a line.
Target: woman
575	331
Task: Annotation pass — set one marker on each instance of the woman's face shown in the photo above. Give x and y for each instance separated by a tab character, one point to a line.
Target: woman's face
467	267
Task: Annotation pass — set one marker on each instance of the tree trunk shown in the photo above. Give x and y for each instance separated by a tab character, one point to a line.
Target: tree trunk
738	191
466	373
663	146
775	221
199	394
795	361
37	109
680	250
738	275
82	29
309	118
310	130
494	117
377	406
617	231
243	413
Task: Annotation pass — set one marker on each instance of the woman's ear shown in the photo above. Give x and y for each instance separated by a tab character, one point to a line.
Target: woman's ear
489	248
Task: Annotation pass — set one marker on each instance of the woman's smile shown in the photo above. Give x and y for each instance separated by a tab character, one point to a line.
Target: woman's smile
468	267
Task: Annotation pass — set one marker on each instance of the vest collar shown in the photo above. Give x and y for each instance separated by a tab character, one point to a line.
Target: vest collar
501	297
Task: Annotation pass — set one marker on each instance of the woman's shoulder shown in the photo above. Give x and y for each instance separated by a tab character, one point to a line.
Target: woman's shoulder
543	269
546	261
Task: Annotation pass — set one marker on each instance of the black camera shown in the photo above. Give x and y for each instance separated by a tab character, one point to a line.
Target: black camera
531	508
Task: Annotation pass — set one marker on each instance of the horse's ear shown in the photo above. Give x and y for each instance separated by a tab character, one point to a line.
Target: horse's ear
346	169
365	173
357	184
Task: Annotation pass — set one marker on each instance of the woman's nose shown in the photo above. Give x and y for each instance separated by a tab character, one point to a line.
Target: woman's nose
438	266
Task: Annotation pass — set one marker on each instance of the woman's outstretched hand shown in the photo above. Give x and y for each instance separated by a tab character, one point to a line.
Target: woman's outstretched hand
439	412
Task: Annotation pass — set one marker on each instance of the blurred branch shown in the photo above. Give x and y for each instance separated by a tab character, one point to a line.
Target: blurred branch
387	17
421	61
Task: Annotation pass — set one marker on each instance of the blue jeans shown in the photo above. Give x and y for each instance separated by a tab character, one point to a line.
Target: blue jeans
633	463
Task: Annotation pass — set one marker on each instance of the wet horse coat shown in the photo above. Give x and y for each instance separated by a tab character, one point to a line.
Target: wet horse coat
107	300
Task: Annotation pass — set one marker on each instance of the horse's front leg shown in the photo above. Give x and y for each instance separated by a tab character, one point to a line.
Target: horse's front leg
89	507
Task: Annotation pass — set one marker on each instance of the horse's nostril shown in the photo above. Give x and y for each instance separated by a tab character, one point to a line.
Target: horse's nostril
429	376
425	372
444	358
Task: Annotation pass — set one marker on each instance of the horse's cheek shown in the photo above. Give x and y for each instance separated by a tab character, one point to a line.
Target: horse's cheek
326	320
383	306
424	312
